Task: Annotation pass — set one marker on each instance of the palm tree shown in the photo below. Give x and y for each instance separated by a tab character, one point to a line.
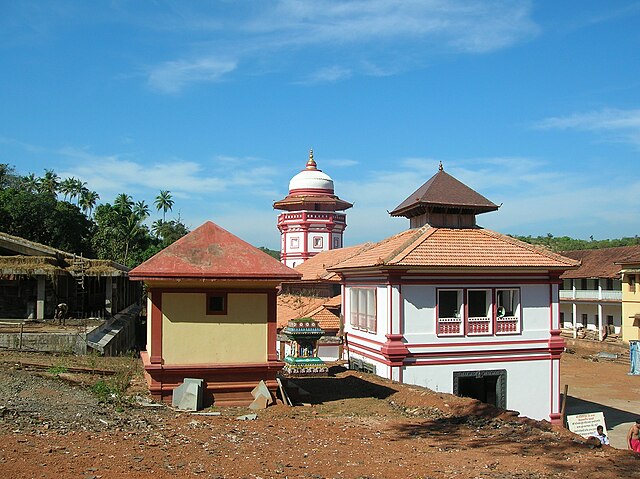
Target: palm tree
31	183
67	187
156	228
141	209
78	190
88	201
164	202
123	203
49	182
129	228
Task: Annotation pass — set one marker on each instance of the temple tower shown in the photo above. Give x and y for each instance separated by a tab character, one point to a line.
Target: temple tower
311	221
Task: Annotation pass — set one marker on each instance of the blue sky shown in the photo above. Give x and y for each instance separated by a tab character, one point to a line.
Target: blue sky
536	105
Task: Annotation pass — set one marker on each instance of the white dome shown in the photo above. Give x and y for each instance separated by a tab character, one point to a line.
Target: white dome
311	178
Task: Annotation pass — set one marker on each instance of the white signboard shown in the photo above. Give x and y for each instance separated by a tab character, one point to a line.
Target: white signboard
586	424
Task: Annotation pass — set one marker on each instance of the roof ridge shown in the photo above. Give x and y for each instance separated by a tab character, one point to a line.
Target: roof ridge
356	251
402	247
516	242
423	234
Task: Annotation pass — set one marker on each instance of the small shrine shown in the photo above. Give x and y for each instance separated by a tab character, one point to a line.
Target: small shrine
303	359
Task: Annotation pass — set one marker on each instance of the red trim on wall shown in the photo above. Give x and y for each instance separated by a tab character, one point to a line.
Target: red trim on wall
478	343
511	359
156	326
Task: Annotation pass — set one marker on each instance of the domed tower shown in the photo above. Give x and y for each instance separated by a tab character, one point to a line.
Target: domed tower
310	222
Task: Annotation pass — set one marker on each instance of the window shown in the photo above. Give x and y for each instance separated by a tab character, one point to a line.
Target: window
217	303
336	243
477	314
317	242
363	309
584	320
449	312
295	242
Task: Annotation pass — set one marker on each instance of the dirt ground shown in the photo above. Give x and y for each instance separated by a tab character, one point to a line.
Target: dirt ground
56	421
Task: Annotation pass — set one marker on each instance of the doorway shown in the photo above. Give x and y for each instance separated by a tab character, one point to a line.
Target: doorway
487	386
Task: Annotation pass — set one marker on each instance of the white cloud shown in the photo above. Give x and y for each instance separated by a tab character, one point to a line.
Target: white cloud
173	76
623	125
364	37
330	74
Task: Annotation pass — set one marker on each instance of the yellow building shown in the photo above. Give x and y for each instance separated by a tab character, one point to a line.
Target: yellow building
211	315
630	301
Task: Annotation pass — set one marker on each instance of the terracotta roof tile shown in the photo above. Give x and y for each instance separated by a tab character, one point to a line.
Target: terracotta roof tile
320	309
455	247
211	252
315	268
601	263
293	306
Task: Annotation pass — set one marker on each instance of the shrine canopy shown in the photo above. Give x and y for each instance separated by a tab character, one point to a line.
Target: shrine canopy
211	253
440	198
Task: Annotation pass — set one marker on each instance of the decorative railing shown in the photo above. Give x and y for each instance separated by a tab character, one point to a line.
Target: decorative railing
507	325
478	325
592	294
449	326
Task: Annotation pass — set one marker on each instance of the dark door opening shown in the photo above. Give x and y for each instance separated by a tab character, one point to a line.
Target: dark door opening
486	386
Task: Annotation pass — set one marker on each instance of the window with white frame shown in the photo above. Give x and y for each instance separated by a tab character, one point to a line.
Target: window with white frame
479	318
507	311
472	311
450	312
363	309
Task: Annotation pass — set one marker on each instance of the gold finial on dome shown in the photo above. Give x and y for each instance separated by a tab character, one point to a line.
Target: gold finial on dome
311	163
440	167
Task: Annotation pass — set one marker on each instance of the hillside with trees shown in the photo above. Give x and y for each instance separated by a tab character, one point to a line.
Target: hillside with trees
65	214
565	243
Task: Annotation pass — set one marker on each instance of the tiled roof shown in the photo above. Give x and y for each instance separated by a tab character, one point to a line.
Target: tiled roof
443	190
315	268
294	306
601	263
211	252
454	247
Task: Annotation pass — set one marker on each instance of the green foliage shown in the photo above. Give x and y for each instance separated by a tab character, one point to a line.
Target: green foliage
270	252
565	243
58	369
40	217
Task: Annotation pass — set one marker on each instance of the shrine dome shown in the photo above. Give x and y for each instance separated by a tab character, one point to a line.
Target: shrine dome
311	179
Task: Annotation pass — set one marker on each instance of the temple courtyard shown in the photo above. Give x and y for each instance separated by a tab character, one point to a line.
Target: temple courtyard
71	417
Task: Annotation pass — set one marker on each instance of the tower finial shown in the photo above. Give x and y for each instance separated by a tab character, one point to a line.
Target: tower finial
440	168
311	163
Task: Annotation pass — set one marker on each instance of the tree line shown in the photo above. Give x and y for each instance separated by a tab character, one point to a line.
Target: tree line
566	243
31	207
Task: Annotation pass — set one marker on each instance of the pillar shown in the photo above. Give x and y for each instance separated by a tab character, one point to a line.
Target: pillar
600	335
40	298
108	296
574	312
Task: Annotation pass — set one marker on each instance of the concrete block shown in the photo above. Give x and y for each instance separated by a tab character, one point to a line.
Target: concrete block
188	396
262	390
260	402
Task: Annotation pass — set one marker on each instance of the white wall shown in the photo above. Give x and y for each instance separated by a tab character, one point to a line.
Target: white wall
533	402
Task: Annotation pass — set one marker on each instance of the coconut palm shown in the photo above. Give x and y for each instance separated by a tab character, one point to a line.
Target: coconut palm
141	209
88	201
164	202
156	228
78	190
30	183
123	203
50	182
67	187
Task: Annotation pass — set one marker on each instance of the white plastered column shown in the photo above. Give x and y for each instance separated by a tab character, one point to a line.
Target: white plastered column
40	298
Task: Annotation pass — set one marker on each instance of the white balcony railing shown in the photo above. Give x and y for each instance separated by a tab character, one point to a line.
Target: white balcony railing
591	294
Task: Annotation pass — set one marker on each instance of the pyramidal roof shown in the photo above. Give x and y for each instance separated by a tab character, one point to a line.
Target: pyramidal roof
443	190
211	252
430	247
